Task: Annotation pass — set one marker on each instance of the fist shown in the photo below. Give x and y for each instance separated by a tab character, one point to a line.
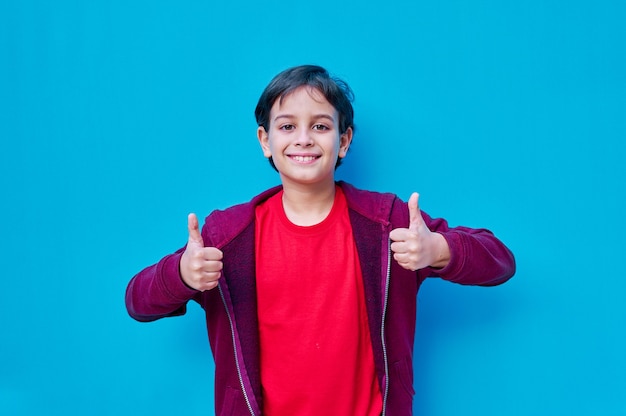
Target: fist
417	247
200	266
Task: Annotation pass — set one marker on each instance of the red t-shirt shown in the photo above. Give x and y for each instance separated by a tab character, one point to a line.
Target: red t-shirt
316	351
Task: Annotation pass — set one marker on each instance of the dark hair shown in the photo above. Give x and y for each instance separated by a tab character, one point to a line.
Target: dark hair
335	90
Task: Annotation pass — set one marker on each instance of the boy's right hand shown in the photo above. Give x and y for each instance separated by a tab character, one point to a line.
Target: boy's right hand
200	266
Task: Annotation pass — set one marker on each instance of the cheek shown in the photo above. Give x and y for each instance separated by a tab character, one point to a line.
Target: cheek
273	146
337	145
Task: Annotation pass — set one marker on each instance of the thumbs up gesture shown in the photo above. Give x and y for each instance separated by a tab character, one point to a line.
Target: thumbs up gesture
200	266
417	247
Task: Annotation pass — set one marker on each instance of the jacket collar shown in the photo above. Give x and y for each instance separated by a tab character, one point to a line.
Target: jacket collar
374	206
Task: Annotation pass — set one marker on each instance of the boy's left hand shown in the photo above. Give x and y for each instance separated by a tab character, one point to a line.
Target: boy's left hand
417	247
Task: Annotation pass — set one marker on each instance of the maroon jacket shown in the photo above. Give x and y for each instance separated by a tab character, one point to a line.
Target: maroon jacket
477	258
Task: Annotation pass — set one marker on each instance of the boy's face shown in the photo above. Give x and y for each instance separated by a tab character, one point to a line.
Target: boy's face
303	138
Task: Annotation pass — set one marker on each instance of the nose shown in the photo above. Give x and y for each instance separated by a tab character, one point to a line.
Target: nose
304	139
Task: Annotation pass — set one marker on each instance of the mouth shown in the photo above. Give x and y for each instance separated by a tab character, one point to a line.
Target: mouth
304	158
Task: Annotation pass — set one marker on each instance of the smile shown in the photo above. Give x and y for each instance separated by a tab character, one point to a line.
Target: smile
303	159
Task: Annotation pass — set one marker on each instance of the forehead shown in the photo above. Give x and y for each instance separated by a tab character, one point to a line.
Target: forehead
301	99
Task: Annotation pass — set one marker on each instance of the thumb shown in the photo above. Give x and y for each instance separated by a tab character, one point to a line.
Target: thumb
194	232
415	215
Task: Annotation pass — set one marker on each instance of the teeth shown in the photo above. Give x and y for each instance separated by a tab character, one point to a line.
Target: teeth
303	158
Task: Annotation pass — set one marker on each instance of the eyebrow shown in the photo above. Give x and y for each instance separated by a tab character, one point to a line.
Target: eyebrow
315	117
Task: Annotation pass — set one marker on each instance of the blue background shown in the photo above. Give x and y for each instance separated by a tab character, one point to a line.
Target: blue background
118	118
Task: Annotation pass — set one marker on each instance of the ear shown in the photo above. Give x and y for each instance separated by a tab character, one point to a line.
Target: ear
344	142
264	141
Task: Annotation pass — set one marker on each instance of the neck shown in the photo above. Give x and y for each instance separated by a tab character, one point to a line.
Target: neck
306	205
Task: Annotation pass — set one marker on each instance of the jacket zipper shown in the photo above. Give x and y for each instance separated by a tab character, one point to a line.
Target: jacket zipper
232	331
382	329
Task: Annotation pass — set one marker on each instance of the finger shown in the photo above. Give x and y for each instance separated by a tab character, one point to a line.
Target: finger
212	254
398	234
211	276
400	257
194	232
415	215
208	286
403	260
399	247
209	266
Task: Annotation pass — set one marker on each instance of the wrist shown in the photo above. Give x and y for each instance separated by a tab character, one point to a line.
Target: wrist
442	256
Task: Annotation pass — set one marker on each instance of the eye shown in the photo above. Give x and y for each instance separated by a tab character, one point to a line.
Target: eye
320	127
287	127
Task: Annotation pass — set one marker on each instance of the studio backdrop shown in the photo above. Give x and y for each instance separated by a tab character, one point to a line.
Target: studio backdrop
119	118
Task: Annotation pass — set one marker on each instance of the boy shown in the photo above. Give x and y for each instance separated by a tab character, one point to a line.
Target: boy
310	289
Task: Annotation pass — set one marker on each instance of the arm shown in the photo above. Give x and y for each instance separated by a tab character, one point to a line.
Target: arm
158	291
460	254
164	289
477	257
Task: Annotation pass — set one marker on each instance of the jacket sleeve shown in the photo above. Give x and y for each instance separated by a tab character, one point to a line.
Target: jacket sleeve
477	257
158	291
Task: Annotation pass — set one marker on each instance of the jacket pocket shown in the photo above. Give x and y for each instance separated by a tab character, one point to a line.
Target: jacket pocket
404	374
